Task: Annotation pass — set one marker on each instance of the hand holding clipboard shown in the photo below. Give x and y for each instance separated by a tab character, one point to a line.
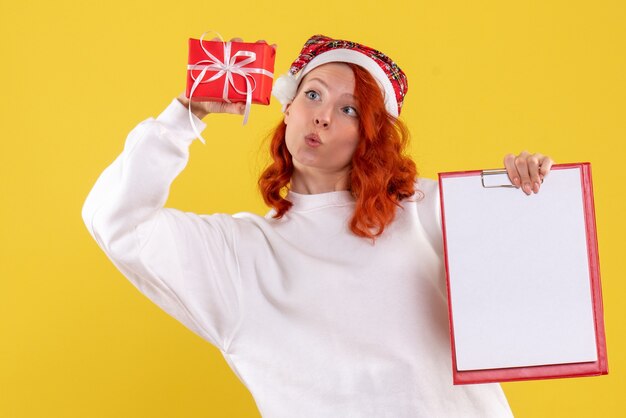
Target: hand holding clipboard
527	170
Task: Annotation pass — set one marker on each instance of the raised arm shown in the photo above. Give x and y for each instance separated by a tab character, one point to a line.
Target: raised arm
183	262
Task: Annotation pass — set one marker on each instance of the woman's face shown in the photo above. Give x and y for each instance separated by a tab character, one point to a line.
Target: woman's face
323	121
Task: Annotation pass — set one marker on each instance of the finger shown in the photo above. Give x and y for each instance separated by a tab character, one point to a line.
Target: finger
216	39
545	166
533	170
263	41
233	108
521	164
509	164
236	40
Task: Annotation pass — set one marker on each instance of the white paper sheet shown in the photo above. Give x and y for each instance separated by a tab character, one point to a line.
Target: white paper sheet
519	273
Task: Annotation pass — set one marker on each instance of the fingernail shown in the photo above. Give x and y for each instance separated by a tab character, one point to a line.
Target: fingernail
526	188
536	187
516	182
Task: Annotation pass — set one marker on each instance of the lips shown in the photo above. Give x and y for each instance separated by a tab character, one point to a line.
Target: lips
313	140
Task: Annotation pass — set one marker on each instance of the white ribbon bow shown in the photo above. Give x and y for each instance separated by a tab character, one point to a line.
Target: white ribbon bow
227	68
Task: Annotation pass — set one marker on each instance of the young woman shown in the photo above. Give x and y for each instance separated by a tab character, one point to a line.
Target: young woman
333	305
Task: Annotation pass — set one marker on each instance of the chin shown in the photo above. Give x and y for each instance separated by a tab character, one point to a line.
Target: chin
304	159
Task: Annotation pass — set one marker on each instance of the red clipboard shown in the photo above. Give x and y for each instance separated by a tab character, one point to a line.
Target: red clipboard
517	318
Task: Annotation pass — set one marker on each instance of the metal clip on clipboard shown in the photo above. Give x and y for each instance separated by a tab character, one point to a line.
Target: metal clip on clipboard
492	179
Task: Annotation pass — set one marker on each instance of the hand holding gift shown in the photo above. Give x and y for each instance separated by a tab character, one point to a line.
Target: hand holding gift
227	77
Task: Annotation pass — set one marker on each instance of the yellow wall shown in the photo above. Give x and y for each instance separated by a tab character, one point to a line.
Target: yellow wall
486	78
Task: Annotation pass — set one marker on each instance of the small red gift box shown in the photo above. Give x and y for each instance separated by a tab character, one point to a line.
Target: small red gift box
229	71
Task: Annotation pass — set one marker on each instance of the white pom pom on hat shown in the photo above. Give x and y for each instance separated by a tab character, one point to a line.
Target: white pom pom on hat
285	88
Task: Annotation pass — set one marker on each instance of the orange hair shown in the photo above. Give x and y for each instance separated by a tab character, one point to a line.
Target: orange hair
381	175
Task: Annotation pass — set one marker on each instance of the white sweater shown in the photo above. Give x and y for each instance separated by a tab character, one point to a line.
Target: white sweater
315	321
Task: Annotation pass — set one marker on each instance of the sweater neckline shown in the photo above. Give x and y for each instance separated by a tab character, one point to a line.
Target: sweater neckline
319	200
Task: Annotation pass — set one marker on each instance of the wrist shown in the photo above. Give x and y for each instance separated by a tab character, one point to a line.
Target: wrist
196	108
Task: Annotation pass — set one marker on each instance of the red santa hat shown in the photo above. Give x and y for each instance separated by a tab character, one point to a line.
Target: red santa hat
320	49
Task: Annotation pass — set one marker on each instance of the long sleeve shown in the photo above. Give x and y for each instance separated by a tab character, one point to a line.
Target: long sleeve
429	212
185	263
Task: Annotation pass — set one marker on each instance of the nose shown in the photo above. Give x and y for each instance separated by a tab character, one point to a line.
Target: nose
321	116
321	122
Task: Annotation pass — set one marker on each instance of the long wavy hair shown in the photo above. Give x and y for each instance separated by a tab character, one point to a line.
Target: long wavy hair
381	174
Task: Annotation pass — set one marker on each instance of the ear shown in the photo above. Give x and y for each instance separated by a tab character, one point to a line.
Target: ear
286	113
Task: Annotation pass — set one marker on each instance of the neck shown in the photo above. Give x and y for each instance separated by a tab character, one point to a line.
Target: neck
306	182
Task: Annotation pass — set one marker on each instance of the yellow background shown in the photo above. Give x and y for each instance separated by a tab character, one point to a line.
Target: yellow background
486	78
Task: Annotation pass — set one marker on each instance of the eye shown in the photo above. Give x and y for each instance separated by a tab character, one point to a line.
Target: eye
312	94
350	111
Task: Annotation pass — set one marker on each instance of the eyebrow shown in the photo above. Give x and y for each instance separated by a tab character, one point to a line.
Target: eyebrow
322	82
